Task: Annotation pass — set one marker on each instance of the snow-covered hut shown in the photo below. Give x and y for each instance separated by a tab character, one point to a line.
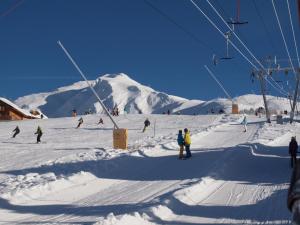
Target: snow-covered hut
10	111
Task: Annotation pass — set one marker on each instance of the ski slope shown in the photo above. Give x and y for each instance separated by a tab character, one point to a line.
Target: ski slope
75	177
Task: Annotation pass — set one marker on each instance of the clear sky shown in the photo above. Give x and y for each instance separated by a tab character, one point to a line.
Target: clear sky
130	36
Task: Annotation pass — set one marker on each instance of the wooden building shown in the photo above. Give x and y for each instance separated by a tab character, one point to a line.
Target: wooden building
10	111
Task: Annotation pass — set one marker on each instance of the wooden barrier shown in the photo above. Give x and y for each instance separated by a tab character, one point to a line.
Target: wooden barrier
120	137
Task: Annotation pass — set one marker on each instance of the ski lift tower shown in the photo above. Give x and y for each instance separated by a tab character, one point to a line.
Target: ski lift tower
261	75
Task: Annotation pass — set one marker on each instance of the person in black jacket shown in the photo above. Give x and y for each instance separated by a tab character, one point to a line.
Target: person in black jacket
80	121
17	131
146	124
293	148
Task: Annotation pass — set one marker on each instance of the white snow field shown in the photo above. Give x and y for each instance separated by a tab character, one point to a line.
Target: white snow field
75	176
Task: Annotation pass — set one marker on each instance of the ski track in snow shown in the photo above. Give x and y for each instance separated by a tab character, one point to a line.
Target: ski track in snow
148	177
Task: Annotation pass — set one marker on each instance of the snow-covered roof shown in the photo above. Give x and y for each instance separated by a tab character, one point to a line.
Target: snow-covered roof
25	112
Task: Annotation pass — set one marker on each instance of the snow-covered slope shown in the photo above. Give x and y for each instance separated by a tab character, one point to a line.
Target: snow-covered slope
133	97
75	177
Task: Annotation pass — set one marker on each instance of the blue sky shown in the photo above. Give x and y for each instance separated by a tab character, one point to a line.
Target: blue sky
113	36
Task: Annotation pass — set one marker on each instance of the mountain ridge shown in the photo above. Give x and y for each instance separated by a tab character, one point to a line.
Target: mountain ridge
133	97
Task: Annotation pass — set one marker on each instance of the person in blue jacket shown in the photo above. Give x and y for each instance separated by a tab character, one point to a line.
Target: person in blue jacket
180	142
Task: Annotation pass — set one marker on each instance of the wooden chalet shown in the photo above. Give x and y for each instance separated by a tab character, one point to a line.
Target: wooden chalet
10	111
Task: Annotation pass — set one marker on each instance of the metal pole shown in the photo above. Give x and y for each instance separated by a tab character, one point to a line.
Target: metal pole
92	88
218	82
154	127
292	114
262	85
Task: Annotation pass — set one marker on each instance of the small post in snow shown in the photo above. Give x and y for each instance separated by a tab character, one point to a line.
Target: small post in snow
154	128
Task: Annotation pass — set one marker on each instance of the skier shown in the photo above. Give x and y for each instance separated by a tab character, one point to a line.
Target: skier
244	122
180	142
39	134
101	121
187	143
293	148
80	122
17	131
147	124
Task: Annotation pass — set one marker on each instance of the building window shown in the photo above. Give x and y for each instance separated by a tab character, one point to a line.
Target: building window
2	108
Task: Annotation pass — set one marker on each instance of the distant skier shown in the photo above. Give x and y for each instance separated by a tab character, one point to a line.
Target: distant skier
39	134
80	122
293	148
17	131
101	121
180	142
146	124
244	122
187	142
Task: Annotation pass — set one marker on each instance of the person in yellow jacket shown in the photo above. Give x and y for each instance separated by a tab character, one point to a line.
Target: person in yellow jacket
187	143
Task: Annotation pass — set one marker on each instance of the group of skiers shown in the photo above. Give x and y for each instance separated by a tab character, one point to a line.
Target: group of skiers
184	141
80	122
38	132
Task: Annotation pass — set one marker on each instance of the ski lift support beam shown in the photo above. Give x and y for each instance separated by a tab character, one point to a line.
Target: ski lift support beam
89	84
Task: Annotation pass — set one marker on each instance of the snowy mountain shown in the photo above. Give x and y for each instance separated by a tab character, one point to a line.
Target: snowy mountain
133	97
113	89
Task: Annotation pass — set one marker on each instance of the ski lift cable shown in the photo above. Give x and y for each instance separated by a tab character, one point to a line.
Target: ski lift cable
244	45
235	47
216	27
182	28
283	37
296	47
218	82
12	8
271	42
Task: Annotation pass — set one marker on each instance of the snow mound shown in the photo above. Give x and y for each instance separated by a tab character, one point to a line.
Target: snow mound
135	219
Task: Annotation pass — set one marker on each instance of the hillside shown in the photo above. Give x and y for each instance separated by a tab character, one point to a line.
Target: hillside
133	97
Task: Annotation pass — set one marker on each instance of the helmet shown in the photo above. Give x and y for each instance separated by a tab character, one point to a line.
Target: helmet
185	130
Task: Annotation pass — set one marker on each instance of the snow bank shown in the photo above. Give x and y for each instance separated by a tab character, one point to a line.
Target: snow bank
135	219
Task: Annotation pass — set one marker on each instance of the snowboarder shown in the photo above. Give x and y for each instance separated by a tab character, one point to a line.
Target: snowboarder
244	122
146	124
39	134
80	122
17	131
293	148
180	142
187	143
101	121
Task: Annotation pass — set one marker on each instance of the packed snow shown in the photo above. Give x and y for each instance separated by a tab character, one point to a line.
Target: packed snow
75	176
132	97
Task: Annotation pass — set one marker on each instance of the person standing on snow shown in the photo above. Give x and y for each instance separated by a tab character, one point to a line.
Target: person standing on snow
244	122
17	131
39	134
180	142
80	122
293	148
146	124
187	143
